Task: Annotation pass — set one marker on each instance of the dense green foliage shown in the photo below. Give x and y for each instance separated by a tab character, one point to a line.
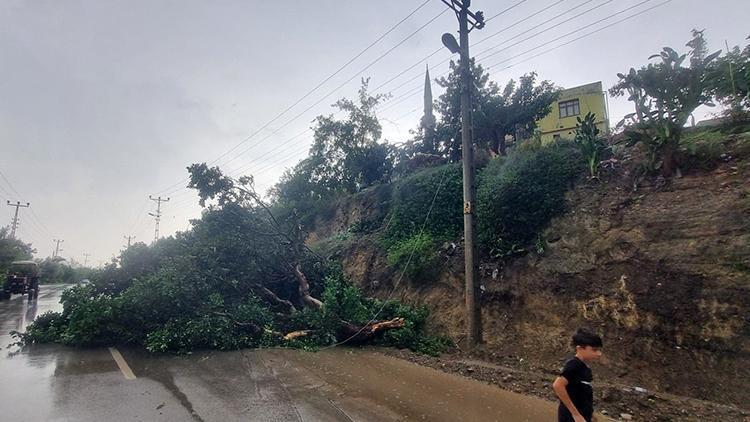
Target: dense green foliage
517	197
416	256
496	112
174	311
415	195
57	271
665	94
241	277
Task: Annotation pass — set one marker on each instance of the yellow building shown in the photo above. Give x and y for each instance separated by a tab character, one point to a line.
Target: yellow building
574	102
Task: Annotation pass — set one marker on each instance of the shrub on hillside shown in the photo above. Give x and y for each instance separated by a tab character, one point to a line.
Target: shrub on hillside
517	197
416	256
413	197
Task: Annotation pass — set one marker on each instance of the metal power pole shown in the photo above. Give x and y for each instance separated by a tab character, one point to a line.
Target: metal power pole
14	225
57	247
157	214
468	21
129	238
86	258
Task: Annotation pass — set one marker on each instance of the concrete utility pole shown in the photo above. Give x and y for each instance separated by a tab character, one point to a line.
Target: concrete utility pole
14	225
86	258
157	214
472	293
57	247
129	238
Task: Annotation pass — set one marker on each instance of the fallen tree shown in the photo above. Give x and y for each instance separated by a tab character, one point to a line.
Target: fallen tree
241	277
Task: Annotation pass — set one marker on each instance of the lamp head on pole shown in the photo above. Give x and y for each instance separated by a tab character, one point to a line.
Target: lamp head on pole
450	42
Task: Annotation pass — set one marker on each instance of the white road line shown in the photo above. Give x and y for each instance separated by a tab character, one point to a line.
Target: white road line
120	361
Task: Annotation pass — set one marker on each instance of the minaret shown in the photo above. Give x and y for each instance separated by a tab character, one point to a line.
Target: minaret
427	125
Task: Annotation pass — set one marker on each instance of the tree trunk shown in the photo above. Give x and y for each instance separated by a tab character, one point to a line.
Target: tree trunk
500	142
275	299
355	334
669	160
304	288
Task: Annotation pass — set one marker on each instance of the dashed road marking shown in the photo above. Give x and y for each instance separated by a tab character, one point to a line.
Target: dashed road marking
120	361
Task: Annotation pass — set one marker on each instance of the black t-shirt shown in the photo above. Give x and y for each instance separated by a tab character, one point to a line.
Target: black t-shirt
579	388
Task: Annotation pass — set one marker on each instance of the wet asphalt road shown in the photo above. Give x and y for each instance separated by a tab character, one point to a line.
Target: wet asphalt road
57	383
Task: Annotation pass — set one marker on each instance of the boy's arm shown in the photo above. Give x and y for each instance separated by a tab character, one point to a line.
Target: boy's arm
559	387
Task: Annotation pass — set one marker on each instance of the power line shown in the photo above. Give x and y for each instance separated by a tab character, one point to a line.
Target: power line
11	185
405	96
340	86
508	9
336	72
414	90
577	30
333	91
417	89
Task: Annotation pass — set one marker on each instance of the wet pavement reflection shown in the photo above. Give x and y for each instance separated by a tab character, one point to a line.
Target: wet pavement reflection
58	383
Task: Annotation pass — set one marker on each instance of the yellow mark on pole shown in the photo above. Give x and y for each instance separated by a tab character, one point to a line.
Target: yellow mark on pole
120	361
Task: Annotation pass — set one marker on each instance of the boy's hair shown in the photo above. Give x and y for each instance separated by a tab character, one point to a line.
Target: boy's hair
585	337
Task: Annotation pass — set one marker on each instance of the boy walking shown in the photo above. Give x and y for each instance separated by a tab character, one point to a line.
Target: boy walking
573	385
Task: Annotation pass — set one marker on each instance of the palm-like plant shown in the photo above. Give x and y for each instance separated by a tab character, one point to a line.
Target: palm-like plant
665	94
591	144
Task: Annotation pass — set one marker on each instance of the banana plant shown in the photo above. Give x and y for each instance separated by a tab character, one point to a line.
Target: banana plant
590	143
664	95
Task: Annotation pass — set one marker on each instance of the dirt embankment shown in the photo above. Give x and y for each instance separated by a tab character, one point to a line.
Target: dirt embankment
663	272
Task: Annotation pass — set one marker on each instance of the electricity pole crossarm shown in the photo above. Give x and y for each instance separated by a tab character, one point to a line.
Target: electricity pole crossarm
14	224
130	238
157	214
472	291
57	247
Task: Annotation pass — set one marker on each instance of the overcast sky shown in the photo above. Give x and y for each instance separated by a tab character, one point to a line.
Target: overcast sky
105	102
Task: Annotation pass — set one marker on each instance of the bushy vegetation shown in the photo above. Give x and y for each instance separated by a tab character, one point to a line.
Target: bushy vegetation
241	277
416	256
517	197
174	310
415	195
667	92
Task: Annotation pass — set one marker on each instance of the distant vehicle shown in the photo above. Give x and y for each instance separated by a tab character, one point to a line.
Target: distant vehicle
22	279
84	282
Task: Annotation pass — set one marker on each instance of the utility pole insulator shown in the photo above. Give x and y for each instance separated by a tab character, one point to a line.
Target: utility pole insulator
157	214
57	247
129	239
14	224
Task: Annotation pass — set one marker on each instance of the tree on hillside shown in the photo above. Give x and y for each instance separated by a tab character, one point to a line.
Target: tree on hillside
448	129
496	112
516	108
664	95
347	154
